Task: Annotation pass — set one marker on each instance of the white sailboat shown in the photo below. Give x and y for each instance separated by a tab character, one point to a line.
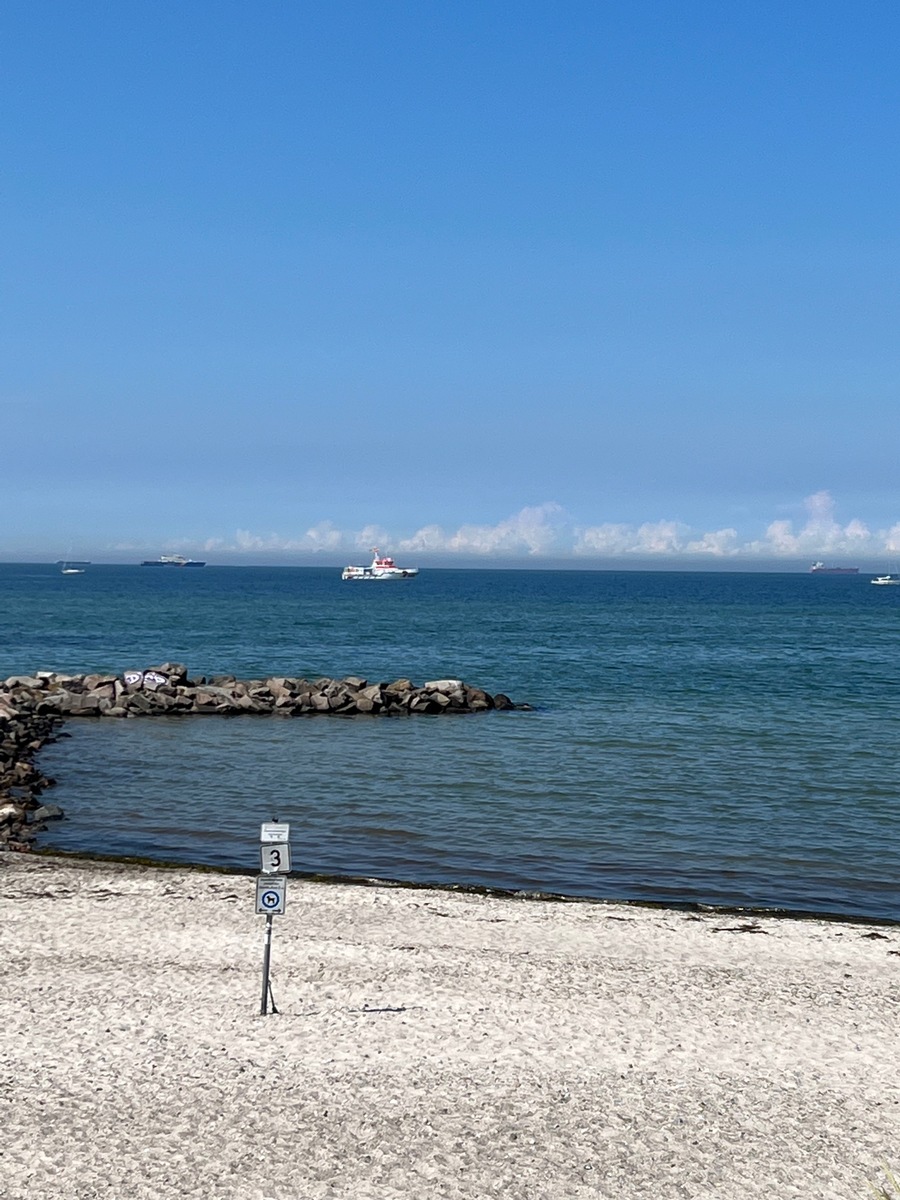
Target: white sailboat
68	566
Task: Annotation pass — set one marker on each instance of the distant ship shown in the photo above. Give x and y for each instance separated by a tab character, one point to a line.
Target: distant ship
172	560
819	568
382	567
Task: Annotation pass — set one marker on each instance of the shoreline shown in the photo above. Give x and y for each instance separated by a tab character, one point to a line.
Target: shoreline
432	1043
474	889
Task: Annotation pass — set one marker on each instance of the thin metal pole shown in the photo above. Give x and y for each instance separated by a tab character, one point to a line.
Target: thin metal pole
264	1008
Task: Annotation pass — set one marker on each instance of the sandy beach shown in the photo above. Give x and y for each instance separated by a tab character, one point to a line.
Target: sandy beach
432	1044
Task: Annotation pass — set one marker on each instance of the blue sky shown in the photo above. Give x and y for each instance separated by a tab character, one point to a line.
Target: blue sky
587	282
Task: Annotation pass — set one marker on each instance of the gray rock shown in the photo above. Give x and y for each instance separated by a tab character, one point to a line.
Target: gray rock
175	672
47	812
443	685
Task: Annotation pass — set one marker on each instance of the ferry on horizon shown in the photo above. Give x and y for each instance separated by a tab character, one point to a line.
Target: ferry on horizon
172	560
382	567
819	568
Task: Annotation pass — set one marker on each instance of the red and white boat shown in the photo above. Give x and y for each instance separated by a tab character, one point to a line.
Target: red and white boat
382	568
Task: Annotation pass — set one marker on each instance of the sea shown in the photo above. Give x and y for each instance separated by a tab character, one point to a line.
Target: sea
692	738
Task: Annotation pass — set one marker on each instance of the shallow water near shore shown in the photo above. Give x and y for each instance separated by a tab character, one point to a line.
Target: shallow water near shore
714	738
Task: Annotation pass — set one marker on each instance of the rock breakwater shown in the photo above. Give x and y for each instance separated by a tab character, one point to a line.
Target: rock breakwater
33	708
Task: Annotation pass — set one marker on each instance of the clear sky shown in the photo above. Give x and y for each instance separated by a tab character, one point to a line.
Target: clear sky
583	281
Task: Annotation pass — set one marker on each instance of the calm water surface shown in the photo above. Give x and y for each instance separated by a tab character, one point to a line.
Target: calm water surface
722	738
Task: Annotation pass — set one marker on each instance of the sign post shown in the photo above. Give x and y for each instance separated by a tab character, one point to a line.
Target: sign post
267	986
271	892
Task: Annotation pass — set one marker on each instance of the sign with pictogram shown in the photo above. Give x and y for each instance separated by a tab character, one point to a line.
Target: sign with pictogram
271	894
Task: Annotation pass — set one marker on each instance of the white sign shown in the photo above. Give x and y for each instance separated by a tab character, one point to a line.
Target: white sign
271	894
275	858
274	831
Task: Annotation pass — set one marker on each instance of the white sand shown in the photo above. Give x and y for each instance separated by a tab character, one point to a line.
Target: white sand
431	1044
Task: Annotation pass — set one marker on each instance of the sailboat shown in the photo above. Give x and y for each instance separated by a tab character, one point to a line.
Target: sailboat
886	580
69	566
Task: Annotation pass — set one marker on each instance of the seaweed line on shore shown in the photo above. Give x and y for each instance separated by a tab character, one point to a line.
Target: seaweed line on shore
87	858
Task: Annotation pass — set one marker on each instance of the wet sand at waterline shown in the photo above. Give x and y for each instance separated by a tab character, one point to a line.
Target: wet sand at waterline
432	1044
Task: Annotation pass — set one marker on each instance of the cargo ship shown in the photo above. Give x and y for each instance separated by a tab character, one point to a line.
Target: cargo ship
172	560
819	568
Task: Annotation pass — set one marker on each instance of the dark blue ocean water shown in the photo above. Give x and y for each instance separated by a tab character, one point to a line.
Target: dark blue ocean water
722	738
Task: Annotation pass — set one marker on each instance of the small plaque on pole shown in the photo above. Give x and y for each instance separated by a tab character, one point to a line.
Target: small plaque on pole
274	831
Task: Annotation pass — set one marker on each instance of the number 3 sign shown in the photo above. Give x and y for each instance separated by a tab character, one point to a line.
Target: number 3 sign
275	859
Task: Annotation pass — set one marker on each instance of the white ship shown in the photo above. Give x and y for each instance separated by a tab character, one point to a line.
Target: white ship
382	568
172	560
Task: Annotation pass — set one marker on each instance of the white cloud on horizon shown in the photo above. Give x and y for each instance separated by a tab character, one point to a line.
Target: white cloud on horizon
539	531
821	535
548	531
